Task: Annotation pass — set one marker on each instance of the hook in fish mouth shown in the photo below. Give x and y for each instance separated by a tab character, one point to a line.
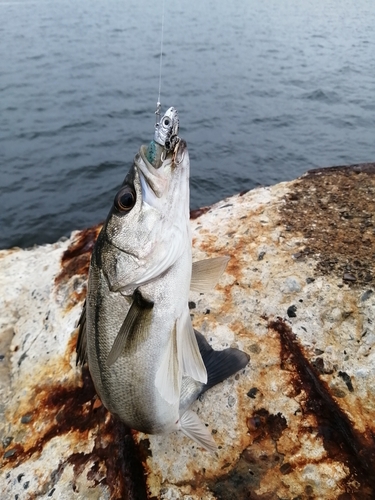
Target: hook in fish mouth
150	176
179	152
154	177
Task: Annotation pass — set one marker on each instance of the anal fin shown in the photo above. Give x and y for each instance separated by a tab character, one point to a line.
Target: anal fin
137	309
206	273
193	427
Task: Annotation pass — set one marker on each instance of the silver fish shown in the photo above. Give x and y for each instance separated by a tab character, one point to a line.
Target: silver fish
146	361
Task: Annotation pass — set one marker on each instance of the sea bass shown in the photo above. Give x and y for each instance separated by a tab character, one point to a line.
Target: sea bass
147	363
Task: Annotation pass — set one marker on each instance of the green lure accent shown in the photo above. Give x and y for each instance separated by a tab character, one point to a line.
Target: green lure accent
151	152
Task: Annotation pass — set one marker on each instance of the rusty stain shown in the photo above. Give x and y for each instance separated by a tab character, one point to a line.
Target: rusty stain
246	474
59	410
75	261
334	209
194	214
340	438
261	423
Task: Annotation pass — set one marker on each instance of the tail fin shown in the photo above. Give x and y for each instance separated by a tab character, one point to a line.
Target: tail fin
220	364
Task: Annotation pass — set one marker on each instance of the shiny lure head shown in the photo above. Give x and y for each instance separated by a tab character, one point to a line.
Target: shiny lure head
147	229
166	130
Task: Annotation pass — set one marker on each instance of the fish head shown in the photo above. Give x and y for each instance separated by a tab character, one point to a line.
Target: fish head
148	229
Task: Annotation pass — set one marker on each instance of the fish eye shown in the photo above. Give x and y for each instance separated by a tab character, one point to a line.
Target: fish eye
166	122
125	199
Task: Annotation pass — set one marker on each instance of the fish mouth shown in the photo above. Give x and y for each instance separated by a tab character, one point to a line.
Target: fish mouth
155	181
151	178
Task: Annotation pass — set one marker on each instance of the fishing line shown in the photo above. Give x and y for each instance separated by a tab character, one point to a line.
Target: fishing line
158	104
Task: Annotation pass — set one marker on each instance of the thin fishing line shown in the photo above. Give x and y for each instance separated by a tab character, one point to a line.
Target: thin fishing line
158	104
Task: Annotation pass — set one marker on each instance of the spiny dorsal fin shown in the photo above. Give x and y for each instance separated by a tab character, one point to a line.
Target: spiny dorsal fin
81	347
192	427
168	377
188	349
206	273
137	309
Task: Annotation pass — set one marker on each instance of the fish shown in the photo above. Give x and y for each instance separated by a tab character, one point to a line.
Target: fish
147	362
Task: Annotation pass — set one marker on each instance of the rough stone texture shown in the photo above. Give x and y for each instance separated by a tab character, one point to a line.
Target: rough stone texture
297	423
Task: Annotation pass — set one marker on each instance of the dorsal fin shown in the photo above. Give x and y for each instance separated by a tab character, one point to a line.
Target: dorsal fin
219	365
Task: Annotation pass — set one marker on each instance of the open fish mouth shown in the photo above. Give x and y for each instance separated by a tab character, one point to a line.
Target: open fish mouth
155	182
151	177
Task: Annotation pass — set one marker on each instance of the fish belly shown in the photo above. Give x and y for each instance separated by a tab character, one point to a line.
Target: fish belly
127	388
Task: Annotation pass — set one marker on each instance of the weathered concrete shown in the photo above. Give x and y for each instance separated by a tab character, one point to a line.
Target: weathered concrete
298	295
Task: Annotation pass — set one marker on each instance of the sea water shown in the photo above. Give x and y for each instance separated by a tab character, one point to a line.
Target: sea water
265	91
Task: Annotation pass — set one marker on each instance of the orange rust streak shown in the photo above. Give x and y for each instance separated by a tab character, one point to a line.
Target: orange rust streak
55	410
71	347
76	259
194	214
340	438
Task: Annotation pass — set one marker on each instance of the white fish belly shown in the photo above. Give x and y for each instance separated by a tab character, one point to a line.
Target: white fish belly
127	388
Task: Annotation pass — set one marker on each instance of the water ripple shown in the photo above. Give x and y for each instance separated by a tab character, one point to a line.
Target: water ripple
265	92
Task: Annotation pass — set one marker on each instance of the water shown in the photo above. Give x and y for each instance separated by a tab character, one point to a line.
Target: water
265	91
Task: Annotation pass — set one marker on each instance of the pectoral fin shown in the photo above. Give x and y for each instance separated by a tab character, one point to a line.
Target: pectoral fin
168	377
134	317
206	273
81	347
192	427
192	362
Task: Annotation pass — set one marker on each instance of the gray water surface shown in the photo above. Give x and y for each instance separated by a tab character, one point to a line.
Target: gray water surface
265	91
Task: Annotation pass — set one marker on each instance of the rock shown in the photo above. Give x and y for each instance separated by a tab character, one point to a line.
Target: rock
296	423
